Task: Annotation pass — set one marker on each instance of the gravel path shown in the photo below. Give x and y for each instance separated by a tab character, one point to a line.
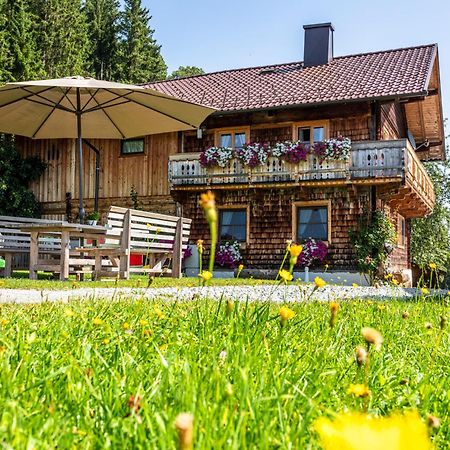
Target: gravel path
242	293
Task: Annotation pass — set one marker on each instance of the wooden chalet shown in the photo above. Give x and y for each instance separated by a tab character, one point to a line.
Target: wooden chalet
388	103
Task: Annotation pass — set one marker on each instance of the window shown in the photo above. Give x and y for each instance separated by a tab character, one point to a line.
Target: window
311	220
232	138
401	231
308	133
233	224
132	146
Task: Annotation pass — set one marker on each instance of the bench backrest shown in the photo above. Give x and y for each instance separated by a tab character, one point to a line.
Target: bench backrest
14	240
145	232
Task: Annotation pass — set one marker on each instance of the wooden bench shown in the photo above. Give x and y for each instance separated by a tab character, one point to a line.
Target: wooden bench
158	237
14	242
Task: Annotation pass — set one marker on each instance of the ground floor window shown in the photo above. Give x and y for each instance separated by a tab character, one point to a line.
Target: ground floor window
311	220
233	224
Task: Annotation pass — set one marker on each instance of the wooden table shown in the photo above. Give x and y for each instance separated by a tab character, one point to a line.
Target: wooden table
65	231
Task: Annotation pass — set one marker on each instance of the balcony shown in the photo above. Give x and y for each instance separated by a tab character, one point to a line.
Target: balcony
371	162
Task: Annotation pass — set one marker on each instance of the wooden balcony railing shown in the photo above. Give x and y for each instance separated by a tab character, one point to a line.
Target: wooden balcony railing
368	160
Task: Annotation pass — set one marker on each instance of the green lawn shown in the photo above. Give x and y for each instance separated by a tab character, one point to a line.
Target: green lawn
65	381
21	281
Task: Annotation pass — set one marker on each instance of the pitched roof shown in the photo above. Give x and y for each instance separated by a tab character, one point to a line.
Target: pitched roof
391	73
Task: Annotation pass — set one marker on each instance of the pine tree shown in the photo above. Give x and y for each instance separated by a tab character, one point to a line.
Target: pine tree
61	33
103	28
21	57
5	56
141	59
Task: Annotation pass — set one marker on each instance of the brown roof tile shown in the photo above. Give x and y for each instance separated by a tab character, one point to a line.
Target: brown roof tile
390	73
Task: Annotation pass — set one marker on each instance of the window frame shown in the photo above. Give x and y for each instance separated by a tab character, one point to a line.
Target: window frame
310	204
401	238
238	206
141	139
233	131
311	125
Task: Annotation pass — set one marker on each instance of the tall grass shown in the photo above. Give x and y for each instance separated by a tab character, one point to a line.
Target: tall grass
66	382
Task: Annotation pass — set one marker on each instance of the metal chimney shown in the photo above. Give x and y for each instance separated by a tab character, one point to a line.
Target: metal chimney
318	47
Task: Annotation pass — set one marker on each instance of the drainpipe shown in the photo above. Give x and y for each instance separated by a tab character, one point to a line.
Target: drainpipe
97	172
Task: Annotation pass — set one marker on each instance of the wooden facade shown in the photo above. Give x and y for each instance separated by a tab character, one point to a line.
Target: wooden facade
403	189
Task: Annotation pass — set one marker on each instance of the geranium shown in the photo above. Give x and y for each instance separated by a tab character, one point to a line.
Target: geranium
296	152
216	156
338	148
229	255
280	148
253	155
314	252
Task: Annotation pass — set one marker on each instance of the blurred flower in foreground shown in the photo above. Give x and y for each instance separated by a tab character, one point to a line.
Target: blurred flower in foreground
205	276
184	423
365	432
372	337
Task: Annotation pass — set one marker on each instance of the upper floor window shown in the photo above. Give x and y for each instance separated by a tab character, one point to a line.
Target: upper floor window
132	146
232	138
233	224
311	132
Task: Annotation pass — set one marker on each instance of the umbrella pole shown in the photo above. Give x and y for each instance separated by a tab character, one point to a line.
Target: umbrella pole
80	157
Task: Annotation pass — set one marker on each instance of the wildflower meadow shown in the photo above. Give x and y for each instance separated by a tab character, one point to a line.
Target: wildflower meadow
250	375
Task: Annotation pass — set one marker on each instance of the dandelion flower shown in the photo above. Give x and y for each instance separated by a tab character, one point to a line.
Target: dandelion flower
285	275
97	321
295	249
106	341
143	322
319	282
358	390
126	326
69	312
433	266
424	291
365	432
205	276
372	337
286	314
159	313
355	285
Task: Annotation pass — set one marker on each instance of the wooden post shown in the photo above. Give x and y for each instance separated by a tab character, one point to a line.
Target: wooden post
65	250
34	253
8	265
125	243
177	250
98	267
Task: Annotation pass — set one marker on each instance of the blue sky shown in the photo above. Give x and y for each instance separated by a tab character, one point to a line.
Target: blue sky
217	35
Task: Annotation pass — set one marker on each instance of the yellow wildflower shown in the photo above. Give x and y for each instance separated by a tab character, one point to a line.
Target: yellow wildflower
424	291
319	282
395	282
97	321
433	266
365	432
143	322
126	326
358	390
206	275
295	249
382	307
334	306
241	267
285	275
286	314
355	285
69	312
106	341
208	203
372	337
3	322
159	313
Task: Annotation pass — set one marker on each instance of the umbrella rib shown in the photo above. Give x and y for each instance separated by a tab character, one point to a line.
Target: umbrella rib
50	113
112	121
103	105
68	99
24	98
89	101
160	112
54	105
51	102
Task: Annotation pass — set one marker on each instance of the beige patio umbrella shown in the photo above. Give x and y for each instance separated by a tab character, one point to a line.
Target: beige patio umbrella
77	107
